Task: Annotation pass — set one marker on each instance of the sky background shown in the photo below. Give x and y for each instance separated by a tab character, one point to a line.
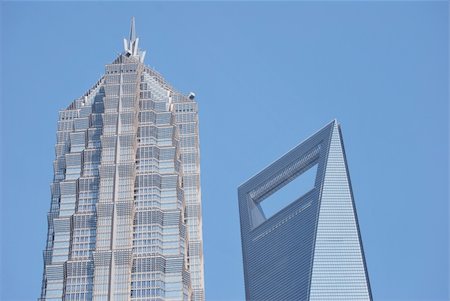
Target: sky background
267	75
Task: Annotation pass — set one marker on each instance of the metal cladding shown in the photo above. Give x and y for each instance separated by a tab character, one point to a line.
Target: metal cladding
125	216
311	249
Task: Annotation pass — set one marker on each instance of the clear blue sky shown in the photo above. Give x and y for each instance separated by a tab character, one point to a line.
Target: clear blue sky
267	75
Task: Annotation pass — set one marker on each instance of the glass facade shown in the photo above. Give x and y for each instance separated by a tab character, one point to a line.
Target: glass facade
311	249
125	217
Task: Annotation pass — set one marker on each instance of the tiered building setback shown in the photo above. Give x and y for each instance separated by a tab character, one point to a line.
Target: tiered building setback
125	219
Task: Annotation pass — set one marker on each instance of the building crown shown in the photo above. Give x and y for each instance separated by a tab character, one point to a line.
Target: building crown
131	46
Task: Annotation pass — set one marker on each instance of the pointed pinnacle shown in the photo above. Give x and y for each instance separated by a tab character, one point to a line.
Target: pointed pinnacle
132	31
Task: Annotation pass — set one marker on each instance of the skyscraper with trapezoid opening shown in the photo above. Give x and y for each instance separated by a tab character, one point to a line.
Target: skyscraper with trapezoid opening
125	219
311	248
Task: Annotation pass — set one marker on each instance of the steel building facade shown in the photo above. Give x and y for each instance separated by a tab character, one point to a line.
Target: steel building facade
311	249
125	218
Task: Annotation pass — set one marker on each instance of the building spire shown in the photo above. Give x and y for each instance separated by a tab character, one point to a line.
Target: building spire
131	46
132	31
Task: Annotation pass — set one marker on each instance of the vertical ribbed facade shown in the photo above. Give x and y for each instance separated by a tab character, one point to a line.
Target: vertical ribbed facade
186	118
338	271
311	249
125	217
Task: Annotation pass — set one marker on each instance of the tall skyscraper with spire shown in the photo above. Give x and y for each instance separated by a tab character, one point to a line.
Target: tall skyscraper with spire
125	219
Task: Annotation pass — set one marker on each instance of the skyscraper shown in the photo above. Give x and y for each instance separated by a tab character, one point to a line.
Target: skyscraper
125	219
311	249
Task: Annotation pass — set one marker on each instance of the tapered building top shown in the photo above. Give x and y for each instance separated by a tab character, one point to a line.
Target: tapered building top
311	248
125	215
131	46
